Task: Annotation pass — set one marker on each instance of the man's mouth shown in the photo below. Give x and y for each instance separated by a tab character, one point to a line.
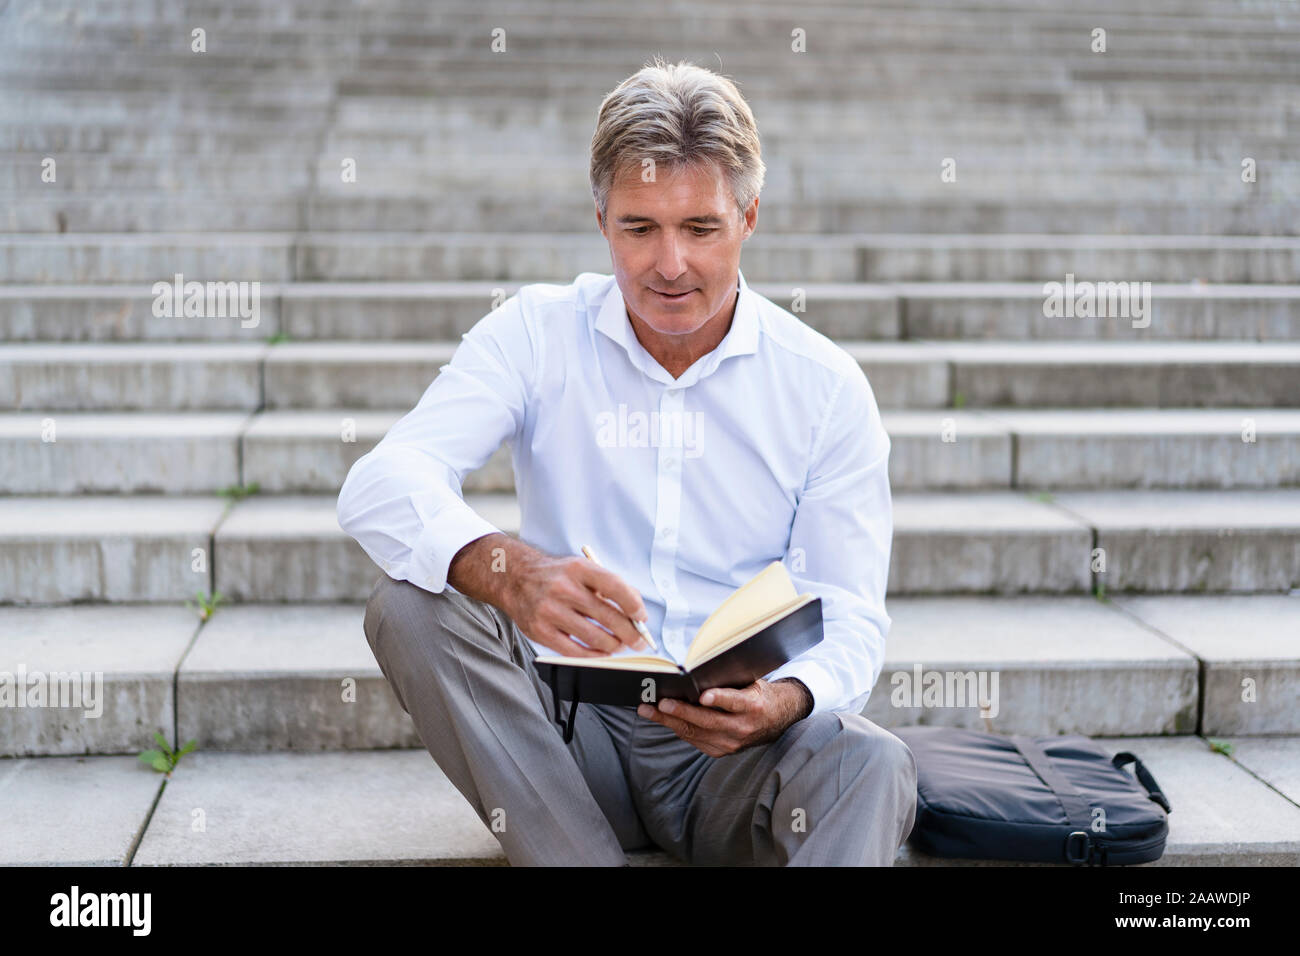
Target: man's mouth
671	298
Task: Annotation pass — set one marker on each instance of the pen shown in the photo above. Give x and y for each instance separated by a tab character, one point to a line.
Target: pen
639	625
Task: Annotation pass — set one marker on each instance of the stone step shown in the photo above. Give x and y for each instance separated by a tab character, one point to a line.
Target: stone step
361	256
378	311
1159	541
301	374
408	129
569	70
339	208
374	375
108	548
394	124
830	177
573	65
1136	448
996	74
397	807
1062	64
1037	13
145	257
390	109
298	542
121	453
280	670
297	451
742	33
1192	541
382	806
1117	373
1040	665
1035	55
1010	311
927	212
130	376
259	677
578	59
1247	650
405	129
838	150
150	212
946	28
1126	106
106	676
984	662
402	129
124	313
290	548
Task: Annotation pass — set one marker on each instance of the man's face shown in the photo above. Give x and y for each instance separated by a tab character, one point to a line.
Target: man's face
680	234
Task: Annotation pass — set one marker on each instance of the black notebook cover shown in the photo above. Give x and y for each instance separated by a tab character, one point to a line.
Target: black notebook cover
757	655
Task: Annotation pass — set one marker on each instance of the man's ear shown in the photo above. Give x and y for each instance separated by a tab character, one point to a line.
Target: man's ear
749	221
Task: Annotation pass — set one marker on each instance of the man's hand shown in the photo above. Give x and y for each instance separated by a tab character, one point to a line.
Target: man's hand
728	720
551	597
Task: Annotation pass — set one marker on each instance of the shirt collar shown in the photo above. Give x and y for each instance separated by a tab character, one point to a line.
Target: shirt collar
741	338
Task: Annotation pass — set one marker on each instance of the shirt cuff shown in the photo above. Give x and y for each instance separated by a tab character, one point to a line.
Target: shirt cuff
442	538
820	684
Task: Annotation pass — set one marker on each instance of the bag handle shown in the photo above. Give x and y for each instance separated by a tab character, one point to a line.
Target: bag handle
555	701
1076	806
1144	777
1078	847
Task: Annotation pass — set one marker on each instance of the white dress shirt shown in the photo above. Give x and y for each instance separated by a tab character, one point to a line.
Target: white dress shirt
770	447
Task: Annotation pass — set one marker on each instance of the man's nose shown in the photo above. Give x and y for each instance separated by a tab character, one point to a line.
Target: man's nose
669	262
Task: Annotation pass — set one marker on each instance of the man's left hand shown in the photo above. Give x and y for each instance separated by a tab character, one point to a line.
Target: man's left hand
727	720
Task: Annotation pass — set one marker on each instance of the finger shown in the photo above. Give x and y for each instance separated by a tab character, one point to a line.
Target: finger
702	740
731	699
575	625
681	728
701	717
614	620
563	644
610	585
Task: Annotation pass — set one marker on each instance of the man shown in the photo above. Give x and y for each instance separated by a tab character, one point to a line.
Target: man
691	432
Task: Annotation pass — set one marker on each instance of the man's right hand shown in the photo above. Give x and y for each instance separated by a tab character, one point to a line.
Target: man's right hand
550	597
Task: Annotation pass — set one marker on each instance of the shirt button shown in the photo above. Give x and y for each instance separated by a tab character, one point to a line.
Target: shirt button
670	462
668	533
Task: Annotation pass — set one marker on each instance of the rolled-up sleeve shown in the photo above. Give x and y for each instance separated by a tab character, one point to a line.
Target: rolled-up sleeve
840	543
402	501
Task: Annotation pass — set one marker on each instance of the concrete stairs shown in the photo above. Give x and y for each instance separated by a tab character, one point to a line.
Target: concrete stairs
1104	514
393	807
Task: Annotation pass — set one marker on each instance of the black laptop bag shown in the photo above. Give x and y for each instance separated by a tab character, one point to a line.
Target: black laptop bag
1032	799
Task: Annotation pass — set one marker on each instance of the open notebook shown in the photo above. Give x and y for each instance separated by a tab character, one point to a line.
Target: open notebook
763	624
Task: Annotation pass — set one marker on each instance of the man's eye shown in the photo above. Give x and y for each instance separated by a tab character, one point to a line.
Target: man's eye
698	230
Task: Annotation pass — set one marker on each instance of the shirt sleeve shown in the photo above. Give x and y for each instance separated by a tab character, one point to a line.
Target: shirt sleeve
840	544
402	501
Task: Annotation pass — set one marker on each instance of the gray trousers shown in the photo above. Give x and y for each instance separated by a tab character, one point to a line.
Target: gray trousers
834	789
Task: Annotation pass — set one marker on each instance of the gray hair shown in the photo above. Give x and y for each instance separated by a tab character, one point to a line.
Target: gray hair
677	115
